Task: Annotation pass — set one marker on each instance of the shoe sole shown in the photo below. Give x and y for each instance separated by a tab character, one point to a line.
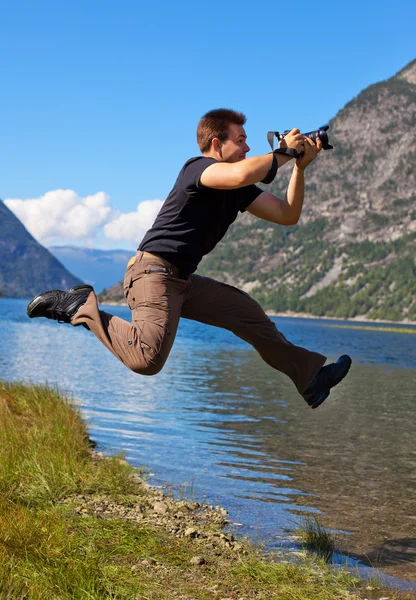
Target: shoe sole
81	287
348	364
320	399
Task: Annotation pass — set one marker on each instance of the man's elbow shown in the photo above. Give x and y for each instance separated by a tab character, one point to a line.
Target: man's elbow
291	220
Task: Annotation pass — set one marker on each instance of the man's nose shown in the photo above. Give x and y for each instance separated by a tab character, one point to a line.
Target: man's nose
247	148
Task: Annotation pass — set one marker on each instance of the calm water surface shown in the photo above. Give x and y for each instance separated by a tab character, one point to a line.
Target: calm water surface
219	424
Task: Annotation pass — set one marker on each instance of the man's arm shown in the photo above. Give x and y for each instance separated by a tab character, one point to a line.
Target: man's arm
230	176
287	212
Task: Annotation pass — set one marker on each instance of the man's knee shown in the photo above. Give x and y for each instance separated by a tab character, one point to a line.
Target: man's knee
152	368
148	366
149	348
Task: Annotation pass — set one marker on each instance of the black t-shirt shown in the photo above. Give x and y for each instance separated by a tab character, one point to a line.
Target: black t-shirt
194	218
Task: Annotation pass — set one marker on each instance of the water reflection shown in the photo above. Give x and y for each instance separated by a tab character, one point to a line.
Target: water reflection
355	456
237	434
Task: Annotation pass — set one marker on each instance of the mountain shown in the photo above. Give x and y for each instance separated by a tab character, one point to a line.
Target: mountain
26	267
353	252
99	268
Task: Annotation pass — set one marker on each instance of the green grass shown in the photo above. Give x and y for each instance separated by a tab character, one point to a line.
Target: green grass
316	538
55	553
46	454
52	548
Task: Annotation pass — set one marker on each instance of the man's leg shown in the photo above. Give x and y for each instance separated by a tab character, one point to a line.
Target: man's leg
155	297
218	304
134	347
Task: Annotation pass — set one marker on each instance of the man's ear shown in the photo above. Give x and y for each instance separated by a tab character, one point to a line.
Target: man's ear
216	145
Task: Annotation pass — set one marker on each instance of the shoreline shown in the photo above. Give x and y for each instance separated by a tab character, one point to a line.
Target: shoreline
80	520
358	319
293	315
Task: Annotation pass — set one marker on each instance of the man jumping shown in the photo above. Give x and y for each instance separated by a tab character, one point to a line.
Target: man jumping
160	283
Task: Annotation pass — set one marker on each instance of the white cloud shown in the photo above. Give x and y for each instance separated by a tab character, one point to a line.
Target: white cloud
132	226
63	217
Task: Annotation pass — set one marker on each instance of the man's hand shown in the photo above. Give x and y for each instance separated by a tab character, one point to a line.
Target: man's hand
309	153
294	139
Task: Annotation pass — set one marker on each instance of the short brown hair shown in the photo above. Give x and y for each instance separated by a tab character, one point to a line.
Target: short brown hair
215	124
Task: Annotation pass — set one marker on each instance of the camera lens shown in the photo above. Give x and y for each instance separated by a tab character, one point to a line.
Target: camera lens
323	136
312	135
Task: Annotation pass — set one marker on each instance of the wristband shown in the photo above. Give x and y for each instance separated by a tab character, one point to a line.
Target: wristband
288	151
271	174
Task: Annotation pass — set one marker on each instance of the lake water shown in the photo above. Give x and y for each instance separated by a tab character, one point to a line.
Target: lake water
219	425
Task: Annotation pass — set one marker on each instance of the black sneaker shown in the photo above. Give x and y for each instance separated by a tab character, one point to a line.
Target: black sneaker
57	305
325	379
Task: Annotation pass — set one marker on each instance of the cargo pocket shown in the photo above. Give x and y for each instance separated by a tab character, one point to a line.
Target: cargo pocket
134	291
154	342
155	290
127	283
148	298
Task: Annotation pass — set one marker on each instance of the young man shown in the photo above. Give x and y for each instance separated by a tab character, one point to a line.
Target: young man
160	285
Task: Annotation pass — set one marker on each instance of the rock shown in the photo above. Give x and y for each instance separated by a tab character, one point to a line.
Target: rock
220	510
215	535
198	560
191	532
160	508
148	562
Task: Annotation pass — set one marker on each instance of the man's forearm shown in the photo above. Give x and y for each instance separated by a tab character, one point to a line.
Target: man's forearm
254	169
295	193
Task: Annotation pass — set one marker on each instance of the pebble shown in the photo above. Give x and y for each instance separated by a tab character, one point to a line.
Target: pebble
148	561
191	532
198	560
221	510
160	508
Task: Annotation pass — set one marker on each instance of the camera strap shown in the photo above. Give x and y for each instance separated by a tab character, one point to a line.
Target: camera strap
288	151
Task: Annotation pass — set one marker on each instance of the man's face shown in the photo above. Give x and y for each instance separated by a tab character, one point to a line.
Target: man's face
235	147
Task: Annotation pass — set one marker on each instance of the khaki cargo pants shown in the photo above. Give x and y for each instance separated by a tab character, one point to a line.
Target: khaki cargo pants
158	297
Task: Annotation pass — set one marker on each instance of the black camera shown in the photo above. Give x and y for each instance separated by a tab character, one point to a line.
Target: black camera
312	135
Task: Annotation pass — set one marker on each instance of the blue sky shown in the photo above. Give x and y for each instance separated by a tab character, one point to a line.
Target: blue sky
104	97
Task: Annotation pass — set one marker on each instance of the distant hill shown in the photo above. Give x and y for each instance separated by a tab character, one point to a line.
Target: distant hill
26	267
99	268
353	252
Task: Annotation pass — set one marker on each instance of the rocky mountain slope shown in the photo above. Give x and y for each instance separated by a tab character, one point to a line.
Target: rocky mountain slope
26	267
353	252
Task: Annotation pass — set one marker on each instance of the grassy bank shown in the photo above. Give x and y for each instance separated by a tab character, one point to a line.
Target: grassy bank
74	525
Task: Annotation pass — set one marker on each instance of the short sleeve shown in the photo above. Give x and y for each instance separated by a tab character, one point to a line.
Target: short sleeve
194	168
247	195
